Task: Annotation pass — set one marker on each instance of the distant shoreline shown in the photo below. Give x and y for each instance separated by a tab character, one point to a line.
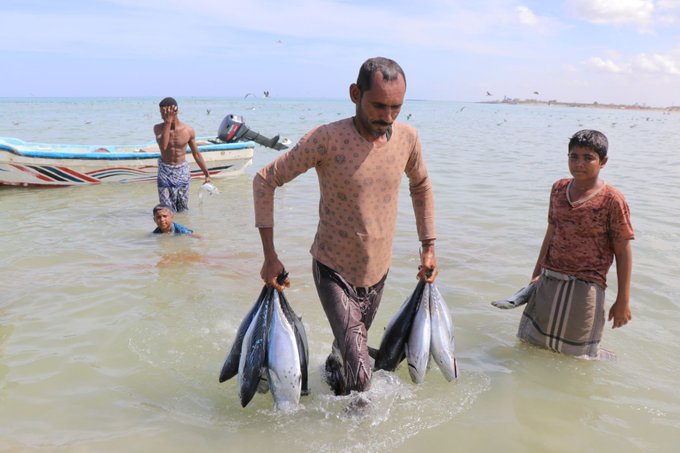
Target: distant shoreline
595	105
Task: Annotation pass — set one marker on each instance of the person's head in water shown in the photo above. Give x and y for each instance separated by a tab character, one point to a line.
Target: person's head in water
163	215
378	95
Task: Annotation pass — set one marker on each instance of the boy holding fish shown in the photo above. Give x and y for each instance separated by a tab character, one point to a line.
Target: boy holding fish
360	162
588	226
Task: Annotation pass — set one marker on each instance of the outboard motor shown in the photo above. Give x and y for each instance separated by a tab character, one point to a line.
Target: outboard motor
233	129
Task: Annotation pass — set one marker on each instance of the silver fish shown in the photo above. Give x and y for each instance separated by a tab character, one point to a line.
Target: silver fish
283	359
442	343
231	362
301	337
253	360
391	351
521	297
418	342
246	343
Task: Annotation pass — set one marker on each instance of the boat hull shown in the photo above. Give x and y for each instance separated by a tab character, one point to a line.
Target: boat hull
35	165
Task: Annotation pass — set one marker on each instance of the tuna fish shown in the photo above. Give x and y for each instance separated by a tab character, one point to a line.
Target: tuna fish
270	351
301	338
521	297
442	343
283	360
421	329
231	362
253	360
418	343
391	351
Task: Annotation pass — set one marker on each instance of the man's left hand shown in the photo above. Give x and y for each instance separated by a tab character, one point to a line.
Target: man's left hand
428	269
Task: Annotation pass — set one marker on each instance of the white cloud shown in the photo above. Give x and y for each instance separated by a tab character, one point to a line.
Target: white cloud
608	65
657	63
669	4
615	12
669	7
526	16
668	20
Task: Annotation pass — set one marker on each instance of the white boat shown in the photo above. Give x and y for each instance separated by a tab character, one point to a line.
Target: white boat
57	165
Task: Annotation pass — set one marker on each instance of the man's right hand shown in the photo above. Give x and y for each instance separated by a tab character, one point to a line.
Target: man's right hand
271	269
169	113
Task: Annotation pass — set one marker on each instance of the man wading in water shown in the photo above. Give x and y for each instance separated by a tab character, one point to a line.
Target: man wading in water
173	137
359	162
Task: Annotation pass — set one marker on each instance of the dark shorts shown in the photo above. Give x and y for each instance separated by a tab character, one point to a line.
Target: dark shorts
350	311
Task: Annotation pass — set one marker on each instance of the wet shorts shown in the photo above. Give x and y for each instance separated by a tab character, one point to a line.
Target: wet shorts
173	185
350	311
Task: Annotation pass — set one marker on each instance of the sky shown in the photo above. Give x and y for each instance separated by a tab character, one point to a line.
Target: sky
606	51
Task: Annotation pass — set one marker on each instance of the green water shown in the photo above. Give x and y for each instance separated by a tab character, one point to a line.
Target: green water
112	340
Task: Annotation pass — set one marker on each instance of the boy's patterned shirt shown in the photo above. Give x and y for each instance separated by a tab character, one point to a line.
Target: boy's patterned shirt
583	242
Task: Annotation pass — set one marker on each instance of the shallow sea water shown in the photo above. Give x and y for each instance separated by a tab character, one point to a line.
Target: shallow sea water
112	340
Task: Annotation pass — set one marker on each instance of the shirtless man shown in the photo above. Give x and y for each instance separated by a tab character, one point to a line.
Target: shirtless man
173	136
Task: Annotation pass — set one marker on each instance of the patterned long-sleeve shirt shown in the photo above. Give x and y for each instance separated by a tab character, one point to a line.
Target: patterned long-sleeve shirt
359	188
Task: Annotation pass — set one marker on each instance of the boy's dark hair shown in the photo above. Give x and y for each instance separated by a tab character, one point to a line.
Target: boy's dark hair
167	102
163	207
589	138
389	69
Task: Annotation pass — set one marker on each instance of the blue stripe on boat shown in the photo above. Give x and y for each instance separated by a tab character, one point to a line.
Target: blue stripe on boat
113	155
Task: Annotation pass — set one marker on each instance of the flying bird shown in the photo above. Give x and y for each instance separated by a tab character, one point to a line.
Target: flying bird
266	94
248	94
535	92
488	94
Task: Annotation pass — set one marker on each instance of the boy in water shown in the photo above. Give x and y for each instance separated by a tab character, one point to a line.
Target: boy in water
163	216
588	225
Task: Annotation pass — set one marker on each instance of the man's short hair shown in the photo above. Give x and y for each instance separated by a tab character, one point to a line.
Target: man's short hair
163	207
168	102
389	69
